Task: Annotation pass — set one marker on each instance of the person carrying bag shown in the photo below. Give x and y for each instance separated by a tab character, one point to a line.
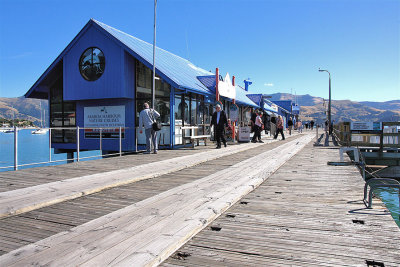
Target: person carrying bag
148	121
156	124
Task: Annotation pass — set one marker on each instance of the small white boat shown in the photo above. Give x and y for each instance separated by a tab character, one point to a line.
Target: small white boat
40	131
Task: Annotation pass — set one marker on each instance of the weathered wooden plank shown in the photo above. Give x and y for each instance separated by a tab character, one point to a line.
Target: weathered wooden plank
73	219
27	199
302	215
194	188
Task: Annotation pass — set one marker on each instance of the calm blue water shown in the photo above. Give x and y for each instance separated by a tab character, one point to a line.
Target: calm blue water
32	148
390	196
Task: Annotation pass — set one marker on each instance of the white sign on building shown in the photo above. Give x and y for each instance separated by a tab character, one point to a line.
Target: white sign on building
225	88
110	118
274	107
365	126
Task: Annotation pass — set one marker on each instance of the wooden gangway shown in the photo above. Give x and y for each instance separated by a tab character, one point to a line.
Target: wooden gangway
140	222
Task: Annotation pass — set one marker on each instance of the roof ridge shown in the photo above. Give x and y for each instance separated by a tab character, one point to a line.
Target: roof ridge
101	24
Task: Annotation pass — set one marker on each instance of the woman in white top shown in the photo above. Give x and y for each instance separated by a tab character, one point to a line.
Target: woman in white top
258	126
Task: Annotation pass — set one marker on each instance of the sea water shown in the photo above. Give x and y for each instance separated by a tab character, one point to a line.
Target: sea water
390	197
32	148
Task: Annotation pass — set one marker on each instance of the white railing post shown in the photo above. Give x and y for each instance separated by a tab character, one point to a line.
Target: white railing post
120	141
101	139
49	144
77	143
15	148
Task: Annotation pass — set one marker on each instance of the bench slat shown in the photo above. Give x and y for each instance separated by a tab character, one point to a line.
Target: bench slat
199	136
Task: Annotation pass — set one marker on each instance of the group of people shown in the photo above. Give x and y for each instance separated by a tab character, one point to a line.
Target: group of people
219	120
299	125
148	116
259	123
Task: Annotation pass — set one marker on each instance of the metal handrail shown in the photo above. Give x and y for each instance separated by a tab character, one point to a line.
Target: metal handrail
77	158
367	183
393	183
369	203
336	136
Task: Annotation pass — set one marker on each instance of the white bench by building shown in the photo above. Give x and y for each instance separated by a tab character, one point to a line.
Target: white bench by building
192	137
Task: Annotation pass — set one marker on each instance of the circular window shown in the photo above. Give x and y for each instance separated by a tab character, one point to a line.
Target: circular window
92	64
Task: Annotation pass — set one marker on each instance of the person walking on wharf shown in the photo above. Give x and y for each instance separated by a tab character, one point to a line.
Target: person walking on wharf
290	125
258	127
146	118
219	121
300	126
279	128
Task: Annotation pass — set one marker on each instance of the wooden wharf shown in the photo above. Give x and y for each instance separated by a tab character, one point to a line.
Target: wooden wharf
27	227
306	214
142	222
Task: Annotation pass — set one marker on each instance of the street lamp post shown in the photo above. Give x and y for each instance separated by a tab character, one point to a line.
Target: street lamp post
153	93
329	103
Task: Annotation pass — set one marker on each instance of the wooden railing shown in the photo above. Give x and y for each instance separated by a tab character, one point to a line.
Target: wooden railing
373	138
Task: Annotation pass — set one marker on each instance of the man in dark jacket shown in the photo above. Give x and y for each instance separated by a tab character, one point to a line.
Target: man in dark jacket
253	119
290	125
219	121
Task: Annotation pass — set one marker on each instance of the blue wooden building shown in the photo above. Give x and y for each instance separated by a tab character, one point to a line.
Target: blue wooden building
103	77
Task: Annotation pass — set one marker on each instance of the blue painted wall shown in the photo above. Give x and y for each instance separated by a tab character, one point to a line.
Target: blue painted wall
111	84
114	88
129	75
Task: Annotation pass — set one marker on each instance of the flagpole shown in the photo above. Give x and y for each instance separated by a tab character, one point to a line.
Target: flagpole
154	58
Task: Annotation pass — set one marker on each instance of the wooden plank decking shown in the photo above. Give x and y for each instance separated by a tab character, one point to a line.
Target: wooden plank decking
35	225
29	198
206	197
305	214
293	218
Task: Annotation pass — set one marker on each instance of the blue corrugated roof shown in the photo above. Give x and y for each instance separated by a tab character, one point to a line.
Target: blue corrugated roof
208	81
242	98
267	107
256	98
179	70
279	107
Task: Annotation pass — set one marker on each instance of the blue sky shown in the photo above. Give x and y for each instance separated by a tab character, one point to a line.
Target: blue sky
278	44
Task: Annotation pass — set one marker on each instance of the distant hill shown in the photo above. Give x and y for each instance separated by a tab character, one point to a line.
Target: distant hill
22	108
312	107
393	105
